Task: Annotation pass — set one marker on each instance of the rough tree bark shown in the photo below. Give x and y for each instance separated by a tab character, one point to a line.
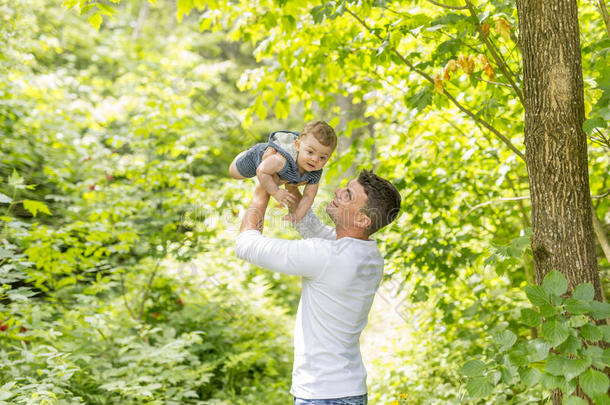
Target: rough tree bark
556	146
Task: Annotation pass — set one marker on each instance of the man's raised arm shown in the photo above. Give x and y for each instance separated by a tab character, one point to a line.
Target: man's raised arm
310	225
306	258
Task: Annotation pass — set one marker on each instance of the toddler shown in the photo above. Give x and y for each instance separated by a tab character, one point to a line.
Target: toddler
289	158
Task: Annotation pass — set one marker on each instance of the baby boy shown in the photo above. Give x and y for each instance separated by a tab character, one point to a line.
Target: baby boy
289	158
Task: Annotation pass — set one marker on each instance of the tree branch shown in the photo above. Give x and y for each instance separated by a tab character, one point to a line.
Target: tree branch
602	195
148	287
495	201
141	19
133	315
492	82
449	96
502	65
606	17
447	6
601	236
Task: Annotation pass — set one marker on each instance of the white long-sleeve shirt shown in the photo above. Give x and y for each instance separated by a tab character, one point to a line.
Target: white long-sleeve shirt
340	279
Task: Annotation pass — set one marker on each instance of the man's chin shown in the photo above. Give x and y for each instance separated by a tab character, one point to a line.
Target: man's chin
330	212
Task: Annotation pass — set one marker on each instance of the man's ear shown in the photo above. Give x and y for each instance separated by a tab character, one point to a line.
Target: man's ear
362	220
297	143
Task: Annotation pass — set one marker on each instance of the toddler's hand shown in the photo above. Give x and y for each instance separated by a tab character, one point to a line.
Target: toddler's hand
284	197
291	218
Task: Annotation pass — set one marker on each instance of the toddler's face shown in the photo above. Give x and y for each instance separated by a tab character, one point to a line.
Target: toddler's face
312	154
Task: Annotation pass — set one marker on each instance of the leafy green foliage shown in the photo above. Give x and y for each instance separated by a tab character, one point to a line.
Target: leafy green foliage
118	125
565	357
110	162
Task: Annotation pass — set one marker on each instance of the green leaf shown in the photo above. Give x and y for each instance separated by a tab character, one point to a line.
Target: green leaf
594	352
548	310
578	321
96	20
550	382
576	307
537	350
575	367
15	180
259	108
606	331
601	399
555	365
183	7
473	368
571	345
4	199
584	292
555	332
518	355
591	332
530	317
282	109
69	3
530	376
594	383
479	387
5	253
536	295
555	283
605	358
589	125
506	339
574	401
600	310
105	9
34	206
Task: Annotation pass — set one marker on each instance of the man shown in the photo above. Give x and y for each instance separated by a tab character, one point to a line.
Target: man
341	270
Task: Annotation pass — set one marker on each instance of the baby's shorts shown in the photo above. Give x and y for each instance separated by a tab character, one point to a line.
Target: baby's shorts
248	162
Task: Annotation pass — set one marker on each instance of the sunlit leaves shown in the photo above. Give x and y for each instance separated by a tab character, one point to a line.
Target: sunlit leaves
35	206
96	20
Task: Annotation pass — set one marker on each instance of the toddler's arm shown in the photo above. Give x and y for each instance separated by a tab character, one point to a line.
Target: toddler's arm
309	194
270	166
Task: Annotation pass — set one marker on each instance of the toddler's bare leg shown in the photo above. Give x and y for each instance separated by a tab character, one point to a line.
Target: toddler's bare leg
233	168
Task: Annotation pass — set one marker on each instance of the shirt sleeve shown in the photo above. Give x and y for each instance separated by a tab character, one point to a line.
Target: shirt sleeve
311	227
304	257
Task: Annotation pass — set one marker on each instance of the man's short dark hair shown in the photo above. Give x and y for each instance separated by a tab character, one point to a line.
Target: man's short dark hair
383	200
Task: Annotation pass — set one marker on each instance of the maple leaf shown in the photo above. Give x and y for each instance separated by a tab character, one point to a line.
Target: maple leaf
485	29
438	85
503	27
489	71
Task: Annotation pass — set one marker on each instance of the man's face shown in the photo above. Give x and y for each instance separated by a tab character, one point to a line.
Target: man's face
312	154
345	208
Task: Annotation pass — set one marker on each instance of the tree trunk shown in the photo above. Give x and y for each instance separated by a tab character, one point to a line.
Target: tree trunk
556	146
